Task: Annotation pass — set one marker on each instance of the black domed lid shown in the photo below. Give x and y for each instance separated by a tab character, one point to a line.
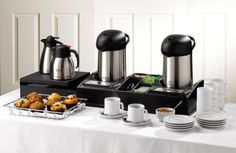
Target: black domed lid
62	51
51	41
111	40
177	45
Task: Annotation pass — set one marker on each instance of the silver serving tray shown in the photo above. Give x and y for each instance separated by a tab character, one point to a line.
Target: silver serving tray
44	113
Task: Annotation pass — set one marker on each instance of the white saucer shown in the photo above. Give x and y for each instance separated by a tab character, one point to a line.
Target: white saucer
179	130
212	117
111	116
145	122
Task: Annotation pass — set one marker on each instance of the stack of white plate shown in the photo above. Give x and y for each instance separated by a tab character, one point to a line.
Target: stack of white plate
178	122
211	120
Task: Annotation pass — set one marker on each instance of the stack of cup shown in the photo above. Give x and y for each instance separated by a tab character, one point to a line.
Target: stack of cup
221	85
204	99
215	96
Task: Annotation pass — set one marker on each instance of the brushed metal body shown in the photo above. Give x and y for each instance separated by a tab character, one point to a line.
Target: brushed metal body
111	65
62	68
44	66
177	71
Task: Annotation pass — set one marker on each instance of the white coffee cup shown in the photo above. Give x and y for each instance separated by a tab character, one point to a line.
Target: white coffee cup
113	106
137	113
162	112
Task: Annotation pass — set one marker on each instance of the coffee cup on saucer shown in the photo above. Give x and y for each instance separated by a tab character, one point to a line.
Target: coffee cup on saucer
162	112
137	113
113	106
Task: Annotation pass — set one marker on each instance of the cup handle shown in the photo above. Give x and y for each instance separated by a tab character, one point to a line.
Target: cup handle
145	114
121	106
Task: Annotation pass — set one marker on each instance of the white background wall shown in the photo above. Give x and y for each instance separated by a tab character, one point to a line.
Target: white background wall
211	22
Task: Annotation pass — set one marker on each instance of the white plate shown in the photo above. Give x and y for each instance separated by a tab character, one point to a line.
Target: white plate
211	126
111	116
145	122
221	121
179	130
205	122
178	124
178	119
212	116
172	127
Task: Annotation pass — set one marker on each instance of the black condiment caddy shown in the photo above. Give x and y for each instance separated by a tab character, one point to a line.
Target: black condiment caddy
157	95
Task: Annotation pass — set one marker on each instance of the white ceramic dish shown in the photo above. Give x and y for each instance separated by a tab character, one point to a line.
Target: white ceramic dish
178	119
220	122
212	116
145	122
101	113
161	114
211	126
174	127
179	130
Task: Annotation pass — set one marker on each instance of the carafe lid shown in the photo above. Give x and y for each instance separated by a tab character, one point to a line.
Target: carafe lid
51	41
177	45
61	51
112	40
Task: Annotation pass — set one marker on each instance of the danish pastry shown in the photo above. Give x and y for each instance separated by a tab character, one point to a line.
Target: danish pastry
19	102
58	106
54	97
26	104
71	101
37	105
34	96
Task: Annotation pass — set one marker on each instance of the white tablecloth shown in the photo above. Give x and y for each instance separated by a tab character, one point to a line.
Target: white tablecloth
86	132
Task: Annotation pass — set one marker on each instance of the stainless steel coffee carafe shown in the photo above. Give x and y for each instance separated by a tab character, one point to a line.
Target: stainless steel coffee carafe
111	45
62	66
46	57
177	61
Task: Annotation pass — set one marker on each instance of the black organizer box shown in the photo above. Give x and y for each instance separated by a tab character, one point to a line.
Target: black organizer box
42	83
152	99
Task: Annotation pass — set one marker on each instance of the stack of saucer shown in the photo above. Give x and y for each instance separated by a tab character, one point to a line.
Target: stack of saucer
211	120
178	122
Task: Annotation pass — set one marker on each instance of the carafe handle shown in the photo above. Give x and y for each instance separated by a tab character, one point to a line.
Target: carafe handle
193	40
76	55
127	40
58	42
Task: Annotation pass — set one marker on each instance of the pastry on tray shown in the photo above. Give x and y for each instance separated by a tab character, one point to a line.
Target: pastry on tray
26	104
54	97
19	102
23	103
71	101
39	105
34	96
58	106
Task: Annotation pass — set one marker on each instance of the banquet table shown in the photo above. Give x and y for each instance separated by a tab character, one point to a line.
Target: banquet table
87	132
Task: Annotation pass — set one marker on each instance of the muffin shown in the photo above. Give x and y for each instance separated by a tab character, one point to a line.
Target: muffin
19	102
26	104
23	103
28	96
71	101
58	106
34	96
54	97
37	105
